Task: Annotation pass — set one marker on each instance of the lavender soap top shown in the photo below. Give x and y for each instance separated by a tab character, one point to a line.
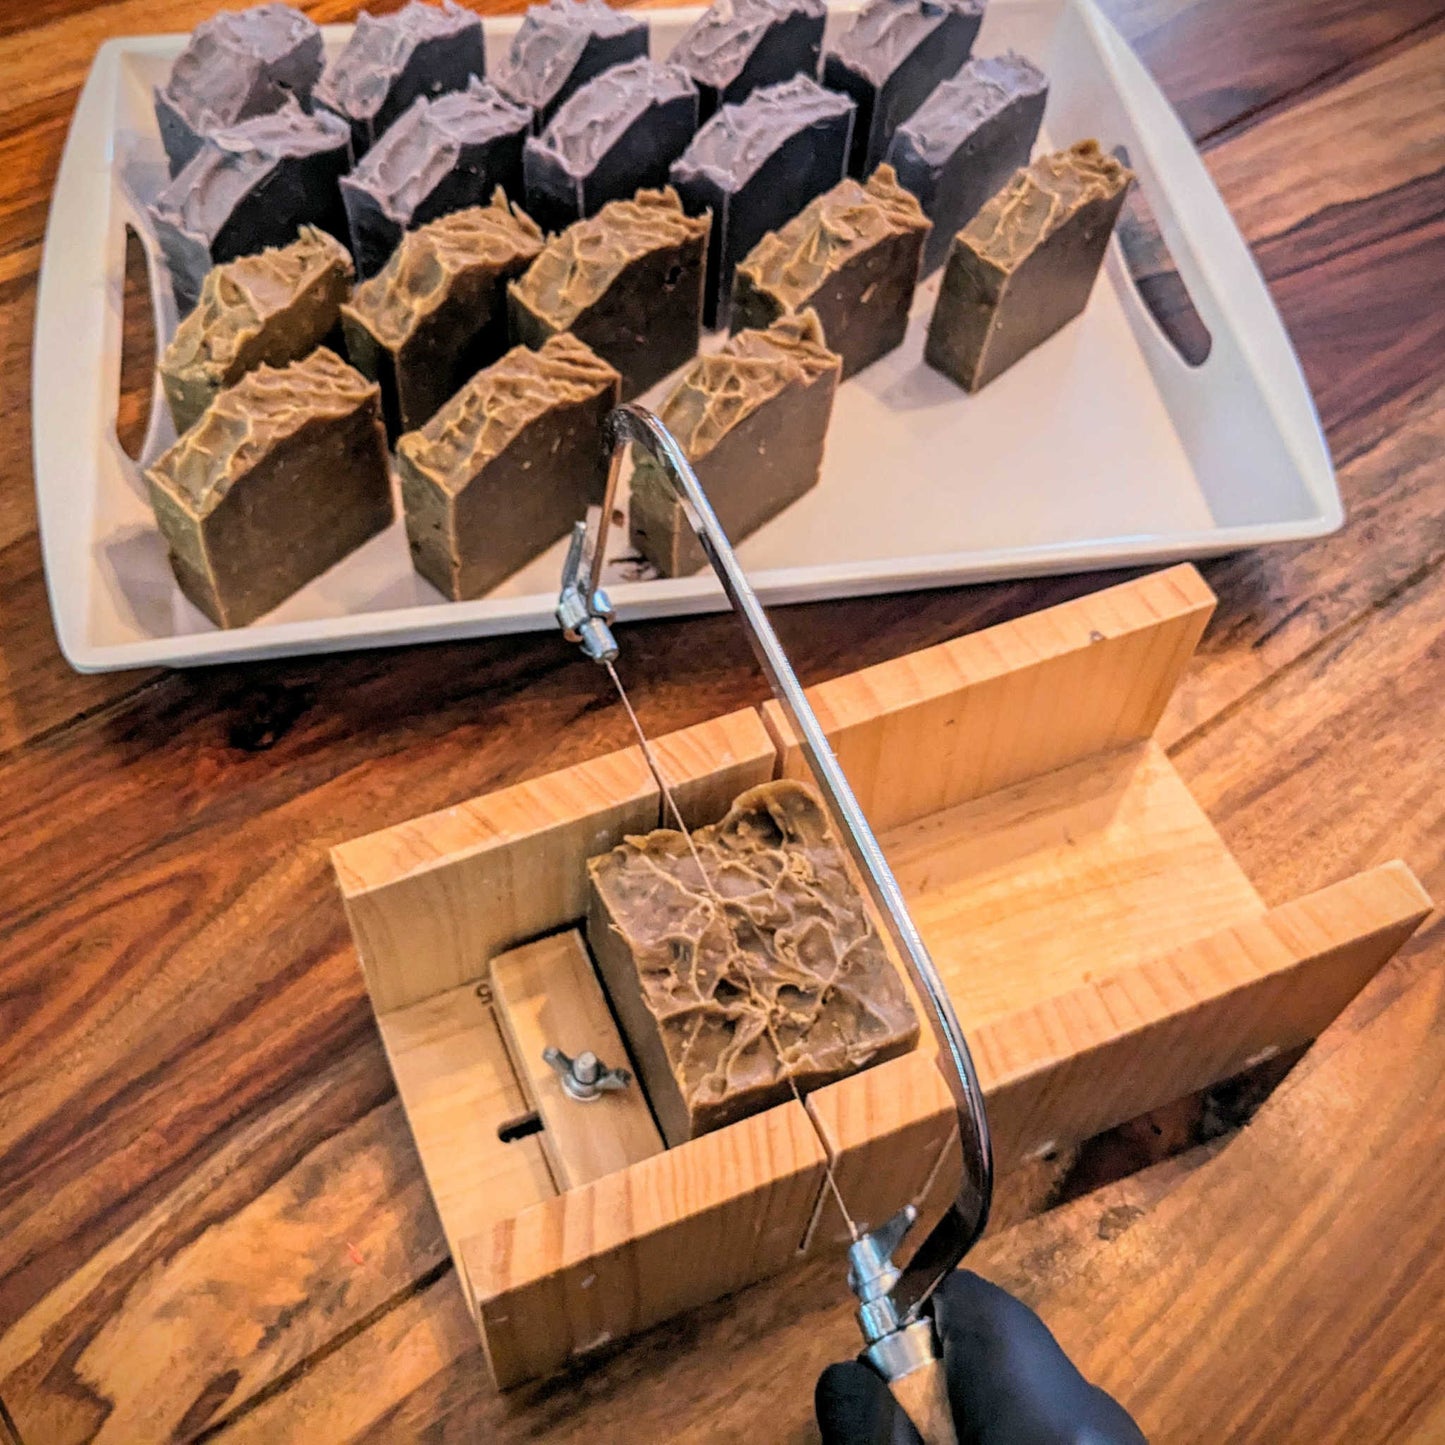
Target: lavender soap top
236	65
390	60
442	155
736	46
617	135
561	46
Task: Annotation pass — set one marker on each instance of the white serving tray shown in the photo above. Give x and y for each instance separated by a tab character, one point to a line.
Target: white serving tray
1102	448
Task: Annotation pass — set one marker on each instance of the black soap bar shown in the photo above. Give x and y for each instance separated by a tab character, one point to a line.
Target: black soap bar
561	46
390	60
755	166
965	141
441	156
736	46
618	134
235	66
251	186
890	58
1025	265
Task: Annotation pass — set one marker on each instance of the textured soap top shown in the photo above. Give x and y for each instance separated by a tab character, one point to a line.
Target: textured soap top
787	979
739	138
419	276
238	299
246	421
718	391
886	32
829	231
550	41
216	78
980	91
578	265
498	403
202	197
717	44
422	145
359	80
593	119
1041	198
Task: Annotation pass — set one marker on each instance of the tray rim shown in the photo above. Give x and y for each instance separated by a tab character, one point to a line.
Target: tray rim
65	527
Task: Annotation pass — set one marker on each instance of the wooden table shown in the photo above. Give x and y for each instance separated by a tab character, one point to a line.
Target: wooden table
212	1221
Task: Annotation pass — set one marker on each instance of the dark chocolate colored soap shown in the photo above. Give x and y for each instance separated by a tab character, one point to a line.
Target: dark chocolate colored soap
852	255
618	133
628	282
251	186
440	156
890	58
237	65
507	466
437	311
752	419
729	1007
735	46
272	308
960	146
561	46
756	165
1025	265
390	60
283	476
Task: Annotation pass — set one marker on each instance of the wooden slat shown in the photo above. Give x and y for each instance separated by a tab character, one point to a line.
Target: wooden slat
547	994
707	766
431	901
960	720
575	1273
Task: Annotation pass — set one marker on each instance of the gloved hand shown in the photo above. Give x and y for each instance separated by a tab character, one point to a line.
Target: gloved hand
1009	1383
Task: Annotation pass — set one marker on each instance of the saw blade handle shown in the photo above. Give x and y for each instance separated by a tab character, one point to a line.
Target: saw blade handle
923	1393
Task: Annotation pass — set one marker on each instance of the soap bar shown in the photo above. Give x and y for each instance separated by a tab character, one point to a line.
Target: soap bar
752	419
1025	265
282	477
507	466
237	65
890	58
966	140
618	133
390	60
736	46
756	165
270	308
440	156
852	255
437	311
628	282
722	1004
251	186
561	46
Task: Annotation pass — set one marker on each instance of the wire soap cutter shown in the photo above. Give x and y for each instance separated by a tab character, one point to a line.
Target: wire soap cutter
1103	946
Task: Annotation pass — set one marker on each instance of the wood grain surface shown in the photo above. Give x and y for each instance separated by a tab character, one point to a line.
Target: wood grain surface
212	1221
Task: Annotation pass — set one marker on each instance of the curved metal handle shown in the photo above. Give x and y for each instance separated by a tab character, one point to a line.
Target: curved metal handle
961	1226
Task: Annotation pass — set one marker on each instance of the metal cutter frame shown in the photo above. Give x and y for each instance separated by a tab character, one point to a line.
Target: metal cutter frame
893	1310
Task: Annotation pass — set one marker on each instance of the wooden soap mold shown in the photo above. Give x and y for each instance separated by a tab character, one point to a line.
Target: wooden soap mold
1104	952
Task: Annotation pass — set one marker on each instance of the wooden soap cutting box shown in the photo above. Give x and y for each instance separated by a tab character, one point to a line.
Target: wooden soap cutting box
1104	951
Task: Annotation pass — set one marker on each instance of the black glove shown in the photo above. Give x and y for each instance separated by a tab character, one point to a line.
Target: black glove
1008	1381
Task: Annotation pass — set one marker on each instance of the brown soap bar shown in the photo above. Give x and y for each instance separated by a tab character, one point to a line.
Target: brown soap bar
628	282
752	419
282	476
1025	265
852	254
507	466
271	308
721	1008
437	311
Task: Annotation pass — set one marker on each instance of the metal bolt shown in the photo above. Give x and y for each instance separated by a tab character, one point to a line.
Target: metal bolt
586	1077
